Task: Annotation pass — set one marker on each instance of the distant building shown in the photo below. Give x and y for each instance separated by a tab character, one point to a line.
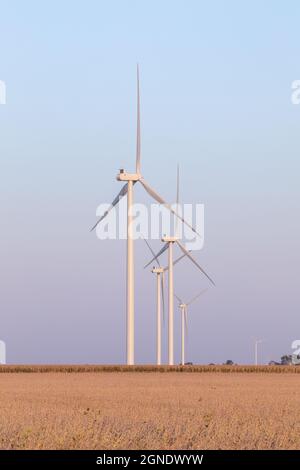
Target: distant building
295	359
287	360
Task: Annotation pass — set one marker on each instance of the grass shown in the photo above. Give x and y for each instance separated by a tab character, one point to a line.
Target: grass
98	410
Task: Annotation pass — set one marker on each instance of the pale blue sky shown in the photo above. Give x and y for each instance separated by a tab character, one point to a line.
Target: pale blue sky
215	93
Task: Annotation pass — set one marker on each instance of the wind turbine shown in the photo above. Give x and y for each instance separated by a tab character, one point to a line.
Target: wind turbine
159	271
168	245
130	180
184	310
256	343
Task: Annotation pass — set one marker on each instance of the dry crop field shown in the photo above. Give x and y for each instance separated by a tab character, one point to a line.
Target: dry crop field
149	410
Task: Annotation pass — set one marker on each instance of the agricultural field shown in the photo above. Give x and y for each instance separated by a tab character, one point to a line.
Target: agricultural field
93	408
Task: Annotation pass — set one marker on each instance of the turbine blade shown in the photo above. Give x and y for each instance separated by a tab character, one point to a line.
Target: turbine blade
113	204
138	126
151	192
179	300
176	261
164	248
151	251
160	200
177	194
163	295
193	260
177	202
197	296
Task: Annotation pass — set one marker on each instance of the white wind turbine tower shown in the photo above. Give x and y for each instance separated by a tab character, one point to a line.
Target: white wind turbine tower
256	343
184	310
159	271
168	244
130	180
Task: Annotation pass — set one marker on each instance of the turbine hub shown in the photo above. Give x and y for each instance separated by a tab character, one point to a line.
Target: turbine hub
157	270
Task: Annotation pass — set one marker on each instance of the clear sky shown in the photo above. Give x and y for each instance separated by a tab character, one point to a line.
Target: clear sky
215	95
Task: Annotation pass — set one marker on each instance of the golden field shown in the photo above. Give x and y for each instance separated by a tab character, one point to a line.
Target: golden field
149	410
148	368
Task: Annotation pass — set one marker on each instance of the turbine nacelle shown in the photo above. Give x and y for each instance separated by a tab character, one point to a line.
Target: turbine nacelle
166	239
157	270
123	176
183	306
